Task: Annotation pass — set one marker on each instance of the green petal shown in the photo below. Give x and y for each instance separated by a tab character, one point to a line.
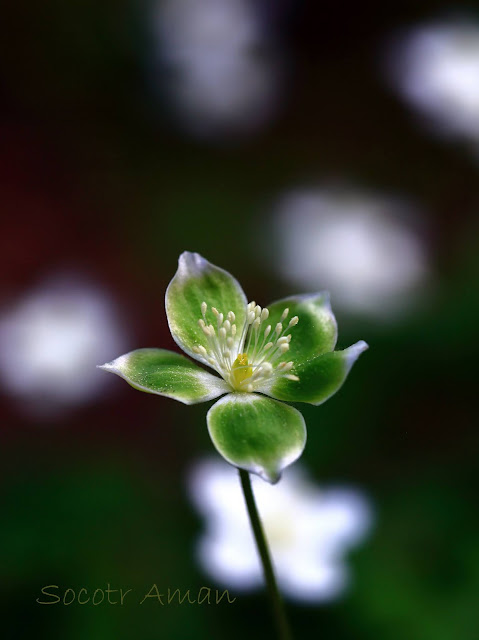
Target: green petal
256	433
316	331
319	378
166	373
197	281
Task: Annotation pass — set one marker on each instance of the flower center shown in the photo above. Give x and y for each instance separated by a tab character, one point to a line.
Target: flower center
240	370
251	356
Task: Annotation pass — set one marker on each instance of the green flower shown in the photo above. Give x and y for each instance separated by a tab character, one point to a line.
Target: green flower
263	356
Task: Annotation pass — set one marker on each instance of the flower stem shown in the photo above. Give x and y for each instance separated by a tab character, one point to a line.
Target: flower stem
282	625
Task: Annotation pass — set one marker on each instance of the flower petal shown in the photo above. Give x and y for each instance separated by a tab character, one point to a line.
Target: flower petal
319	377
316	331
195	282
169	374
256	433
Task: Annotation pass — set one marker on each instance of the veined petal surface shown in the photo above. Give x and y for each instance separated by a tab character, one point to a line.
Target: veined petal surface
319	377
197	281
257	434
316	331
169	374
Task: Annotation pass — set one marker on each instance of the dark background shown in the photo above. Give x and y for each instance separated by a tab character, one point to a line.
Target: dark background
97	176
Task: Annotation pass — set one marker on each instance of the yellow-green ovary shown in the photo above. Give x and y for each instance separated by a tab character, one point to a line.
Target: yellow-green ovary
240	370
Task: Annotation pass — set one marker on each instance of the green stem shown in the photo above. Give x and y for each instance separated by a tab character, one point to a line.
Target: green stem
282	625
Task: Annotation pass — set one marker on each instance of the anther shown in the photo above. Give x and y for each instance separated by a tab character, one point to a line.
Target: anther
204	307
285	314
294	321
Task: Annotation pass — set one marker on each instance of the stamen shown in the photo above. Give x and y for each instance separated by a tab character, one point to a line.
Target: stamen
244	358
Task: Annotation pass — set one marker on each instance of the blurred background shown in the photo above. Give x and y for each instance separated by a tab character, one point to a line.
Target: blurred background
302	146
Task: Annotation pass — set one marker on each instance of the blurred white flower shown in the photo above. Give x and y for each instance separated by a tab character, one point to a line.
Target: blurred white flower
309	531
220	71
359	246
436	67
51	341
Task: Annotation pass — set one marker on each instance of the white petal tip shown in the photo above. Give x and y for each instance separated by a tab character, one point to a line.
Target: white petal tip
190	259
360	346
354	351
108	366
271	476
